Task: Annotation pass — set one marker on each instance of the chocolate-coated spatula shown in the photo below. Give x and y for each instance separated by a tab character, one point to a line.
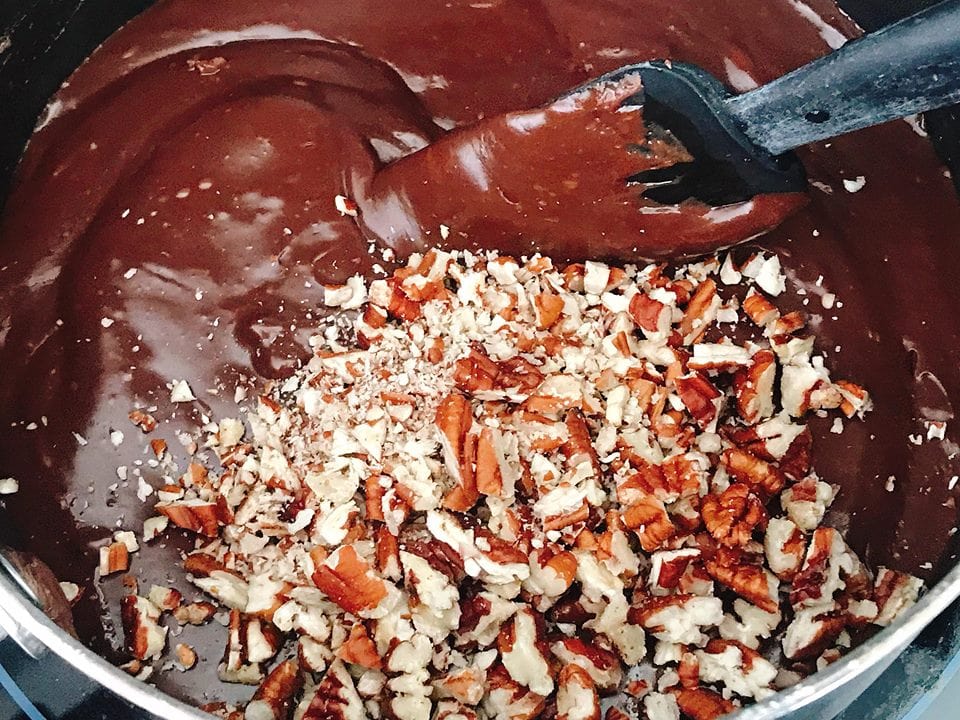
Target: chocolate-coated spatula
599	172
741	142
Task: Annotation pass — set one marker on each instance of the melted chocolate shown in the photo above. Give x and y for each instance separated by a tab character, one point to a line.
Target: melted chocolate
214	179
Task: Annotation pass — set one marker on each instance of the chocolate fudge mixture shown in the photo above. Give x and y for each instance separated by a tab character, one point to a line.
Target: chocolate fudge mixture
173	217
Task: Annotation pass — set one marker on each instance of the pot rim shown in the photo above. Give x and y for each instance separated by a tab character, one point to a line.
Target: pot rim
885	645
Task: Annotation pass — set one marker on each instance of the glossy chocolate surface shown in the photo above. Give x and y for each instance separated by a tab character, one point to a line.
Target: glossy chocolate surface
215	179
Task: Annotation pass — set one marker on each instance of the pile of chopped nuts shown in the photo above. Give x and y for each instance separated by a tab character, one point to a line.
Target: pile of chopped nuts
514	491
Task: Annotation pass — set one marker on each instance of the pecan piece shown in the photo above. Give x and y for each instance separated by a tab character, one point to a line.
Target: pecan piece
250	643
701	311
199	516
667	567
509	700
806	502
453	419
142	633
273	699
603	666
186	656
894	593
114	558
753	387
549	307
579	448
701	398
678	618
784	546
214	578
703	704
359	649
747	468
335	698
577	697
145	421
523	652
648	518
748	579
453	710
733	515
649	314
348	580
165	598
759	309
855	399
812	630
829	561
465	685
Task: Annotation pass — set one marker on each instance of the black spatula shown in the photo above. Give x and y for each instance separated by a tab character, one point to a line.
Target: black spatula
741	142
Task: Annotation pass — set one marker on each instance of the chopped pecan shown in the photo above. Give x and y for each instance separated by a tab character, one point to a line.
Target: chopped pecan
689	670
649	314
827	563
668	567
748	579
359	649
186	656
855	399
114	558
454	710
579	447
523	652
701	398
273	699
812	630
733	515
165	598
759	309
648	518
577	697
509	700
477	373
788	324
795	462
250	643
785	546
753	387
388	553
703	704
678	618
199	516
399	305
806	502
196	613
754	471
453	419
894	593
549	307
603	666
464	685
143	420
143	636
214	578
348	580
335	697
159	447
700	312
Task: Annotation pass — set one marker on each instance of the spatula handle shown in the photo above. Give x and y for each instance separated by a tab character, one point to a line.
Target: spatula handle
902	69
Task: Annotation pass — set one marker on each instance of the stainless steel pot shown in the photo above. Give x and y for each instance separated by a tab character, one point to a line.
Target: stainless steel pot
40	43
